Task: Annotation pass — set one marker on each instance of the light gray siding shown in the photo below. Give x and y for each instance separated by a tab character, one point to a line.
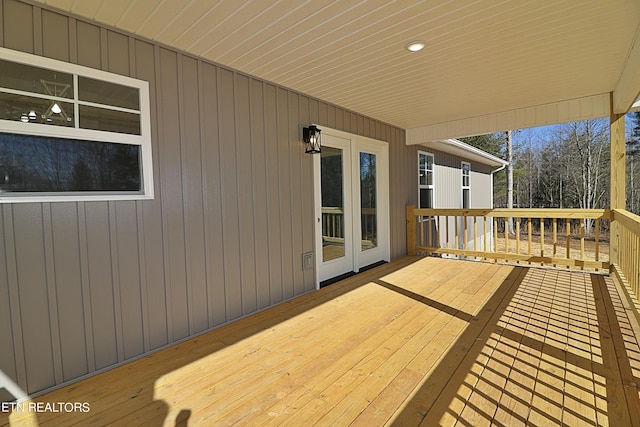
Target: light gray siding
448	182
87	285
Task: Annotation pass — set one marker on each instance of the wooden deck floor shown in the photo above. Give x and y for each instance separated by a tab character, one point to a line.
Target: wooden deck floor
419	341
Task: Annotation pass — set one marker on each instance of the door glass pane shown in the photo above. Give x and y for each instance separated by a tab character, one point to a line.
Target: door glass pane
368	212
331	179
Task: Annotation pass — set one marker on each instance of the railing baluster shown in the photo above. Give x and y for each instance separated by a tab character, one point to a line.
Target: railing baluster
464	232
475	233
495	236
421	226
597	240
430	231
582	240
446	236
506	235
484	235
555	237
518	236
456	243
530	238
568	223
541	237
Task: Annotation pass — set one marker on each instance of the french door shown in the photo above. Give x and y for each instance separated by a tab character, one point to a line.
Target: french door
352	203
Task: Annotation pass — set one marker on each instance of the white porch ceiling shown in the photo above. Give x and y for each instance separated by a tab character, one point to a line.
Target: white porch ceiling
486	63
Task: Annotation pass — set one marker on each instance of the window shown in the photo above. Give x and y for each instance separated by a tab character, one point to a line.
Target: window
466	187
71	133
425	180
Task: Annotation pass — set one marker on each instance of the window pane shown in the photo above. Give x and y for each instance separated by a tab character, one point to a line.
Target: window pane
422	169
332	203
426	198
465	198
45	164
35	110
109	120
430	163
369	217
101	92
429	177
18	76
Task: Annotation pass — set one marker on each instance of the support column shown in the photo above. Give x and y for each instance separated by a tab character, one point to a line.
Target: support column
618	177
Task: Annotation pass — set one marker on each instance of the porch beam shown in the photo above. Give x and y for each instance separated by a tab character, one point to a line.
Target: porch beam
584	108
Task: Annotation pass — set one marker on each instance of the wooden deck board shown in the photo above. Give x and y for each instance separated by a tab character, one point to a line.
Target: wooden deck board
419	341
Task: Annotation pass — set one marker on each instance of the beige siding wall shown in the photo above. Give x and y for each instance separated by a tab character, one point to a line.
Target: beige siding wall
87	285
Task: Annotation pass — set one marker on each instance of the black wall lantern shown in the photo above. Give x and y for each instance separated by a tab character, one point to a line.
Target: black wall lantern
312	139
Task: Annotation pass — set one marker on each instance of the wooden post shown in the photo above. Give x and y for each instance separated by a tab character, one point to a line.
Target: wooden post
618	178
411	230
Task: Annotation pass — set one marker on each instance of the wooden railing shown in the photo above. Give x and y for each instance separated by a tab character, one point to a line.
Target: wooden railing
333	223
626	252
558	237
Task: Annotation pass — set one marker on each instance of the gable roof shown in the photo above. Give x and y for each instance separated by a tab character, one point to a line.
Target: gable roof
487	66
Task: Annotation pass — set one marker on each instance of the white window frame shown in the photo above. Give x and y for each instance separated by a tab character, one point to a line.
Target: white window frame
433	176
143	140
468	186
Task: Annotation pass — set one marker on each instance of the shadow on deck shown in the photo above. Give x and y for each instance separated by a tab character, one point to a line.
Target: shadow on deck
418	341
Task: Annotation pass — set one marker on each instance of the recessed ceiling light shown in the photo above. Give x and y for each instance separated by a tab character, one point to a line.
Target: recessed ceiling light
415	46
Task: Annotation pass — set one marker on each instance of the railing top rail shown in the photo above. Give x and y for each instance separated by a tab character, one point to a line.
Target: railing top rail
629	220
520	213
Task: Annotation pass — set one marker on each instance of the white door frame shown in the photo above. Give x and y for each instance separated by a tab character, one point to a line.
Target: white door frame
356	144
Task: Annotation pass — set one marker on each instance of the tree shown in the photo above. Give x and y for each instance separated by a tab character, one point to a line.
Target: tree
81	179
492	143
586	155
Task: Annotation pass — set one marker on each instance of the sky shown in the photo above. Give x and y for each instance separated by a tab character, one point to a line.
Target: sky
543	133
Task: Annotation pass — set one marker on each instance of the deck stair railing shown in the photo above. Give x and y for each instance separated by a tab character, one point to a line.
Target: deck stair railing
555	237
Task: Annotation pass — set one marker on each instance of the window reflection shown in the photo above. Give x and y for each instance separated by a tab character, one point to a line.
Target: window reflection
101	92
27	78
368	190
109	120
27	109
333	227
46	164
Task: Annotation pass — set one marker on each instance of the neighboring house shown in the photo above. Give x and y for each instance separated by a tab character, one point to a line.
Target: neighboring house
137	212
455	175
462	175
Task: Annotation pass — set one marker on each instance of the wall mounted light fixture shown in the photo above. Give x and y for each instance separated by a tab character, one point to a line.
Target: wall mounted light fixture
312	139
